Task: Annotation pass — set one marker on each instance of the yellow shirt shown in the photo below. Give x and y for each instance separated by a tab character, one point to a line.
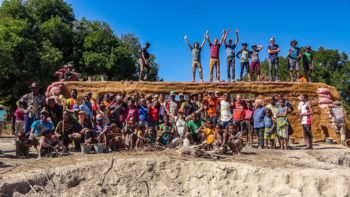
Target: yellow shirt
209	133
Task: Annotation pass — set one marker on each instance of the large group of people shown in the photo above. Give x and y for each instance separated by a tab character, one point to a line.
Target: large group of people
294	56
214	121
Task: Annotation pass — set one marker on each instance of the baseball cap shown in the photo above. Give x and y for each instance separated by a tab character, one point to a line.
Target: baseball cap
181	110
44	111
156	96
181	94
210	92
254	45
172	92
76	107
217	92
81	112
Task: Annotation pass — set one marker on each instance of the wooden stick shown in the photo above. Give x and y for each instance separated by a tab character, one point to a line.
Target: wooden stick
31	187
104	176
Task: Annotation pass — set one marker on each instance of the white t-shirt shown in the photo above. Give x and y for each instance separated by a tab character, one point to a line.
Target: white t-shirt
225	111
302	107
180	126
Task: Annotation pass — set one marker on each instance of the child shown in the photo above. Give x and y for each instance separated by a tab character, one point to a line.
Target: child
113	136
19	124
22	145
166	132
128	132
269	134
234	139
282	124
150	135
308	62
196	58
255	62
305	110
244	60
220	139
48	143
140	136
248	117
208	135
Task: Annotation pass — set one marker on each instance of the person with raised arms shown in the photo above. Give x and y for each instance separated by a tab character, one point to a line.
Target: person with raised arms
214	56
230	52
196	58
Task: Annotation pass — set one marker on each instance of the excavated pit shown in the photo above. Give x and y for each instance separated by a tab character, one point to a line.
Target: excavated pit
299	173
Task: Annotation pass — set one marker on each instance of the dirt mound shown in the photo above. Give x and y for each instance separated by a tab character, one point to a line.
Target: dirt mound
321	127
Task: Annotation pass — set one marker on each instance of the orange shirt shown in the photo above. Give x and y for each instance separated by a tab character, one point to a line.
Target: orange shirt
212	103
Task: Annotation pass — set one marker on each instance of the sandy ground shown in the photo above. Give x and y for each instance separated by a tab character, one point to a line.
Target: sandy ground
323	171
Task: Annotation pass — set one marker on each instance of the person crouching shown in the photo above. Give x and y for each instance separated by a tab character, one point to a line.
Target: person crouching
48	143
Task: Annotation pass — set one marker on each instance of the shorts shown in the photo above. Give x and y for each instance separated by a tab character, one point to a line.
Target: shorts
307	130
294	65
307	67
143	64
197	64
19	127
255	66
244	65
272	135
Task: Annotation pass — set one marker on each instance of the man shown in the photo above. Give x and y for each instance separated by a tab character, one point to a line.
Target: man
230	52
196	58
69	74
188	106
172	104
201	103
35	103
214	56
238	113
212	103
225	110
195	125
255	61
308	62
305	112
55	111
38	126
143	61
294	56
66	128
273	50
339	120
73	99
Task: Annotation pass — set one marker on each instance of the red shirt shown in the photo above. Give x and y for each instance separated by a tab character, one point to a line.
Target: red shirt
239	111
214	50
153	113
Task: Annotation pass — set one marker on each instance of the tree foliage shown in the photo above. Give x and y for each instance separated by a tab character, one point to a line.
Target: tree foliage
37	37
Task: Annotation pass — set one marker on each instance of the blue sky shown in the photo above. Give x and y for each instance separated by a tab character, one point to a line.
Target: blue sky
164	23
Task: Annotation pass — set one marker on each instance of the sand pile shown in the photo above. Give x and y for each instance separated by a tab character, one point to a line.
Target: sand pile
186	176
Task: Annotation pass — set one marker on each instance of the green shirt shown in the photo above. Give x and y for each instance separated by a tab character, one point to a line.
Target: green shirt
307	57
194	126
196	54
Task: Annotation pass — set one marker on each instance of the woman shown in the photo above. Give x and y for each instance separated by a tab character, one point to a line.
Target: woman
258	121
282	124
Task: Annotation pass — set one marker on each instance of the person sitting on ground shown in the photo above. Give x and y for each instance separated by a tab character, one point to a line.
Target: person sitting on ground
244	60
270	125
230	52
65	130
214	56
128	132
144	62
166	131
339	115
97	136
220	139
234	141
294	56
140	136
83	128
48	143
113	138
196	58
38	126
195	126
208	135
282	124
255	62
150	136
308	62
180	123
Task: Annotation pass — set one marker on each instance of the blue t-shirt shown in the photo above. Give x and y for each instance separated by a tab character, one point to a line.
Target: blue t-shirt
38	126
258	117
86	108
294	54
274	55
2	115
143	115
230	50
268	122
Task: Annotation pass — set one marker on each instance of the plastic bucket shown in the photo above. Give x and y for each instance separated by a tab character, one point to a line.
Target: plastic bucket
99	148
86	149
329	141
